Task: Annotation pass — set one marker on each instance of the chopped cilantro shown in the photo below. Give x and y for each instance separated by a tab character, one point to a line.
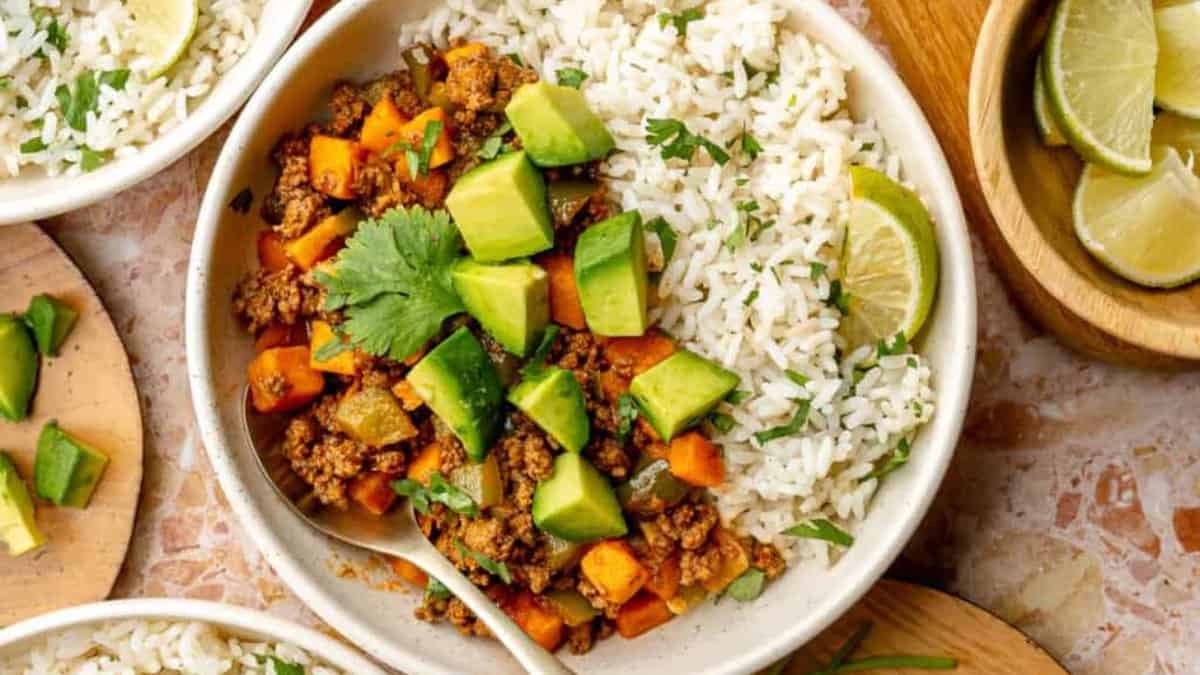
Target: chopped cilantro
56	34
795	426
722	422
114	78
76	103
898	345
840	663
799	378
90	160
741	181
756	266
748	586
677	141
711	223
815	270
495	143
497	568
571	77
737	396
537	363
516	58
911	362
750	298
392	280
438	491
5	83
791	100
22	103
417	159
822	529
242	201
867	147
680	20
627	414
750	146
838	298
897	459
666	236
736	236
33	145
279	666
437	590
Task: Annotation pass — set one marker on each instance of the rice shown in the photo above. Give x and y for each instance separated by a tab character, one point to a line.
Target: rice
759	309
98	38
140	646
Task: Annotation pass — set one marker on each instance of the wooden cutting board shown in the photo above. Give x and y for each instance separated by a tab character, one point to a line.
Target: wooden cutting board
917	621
89	389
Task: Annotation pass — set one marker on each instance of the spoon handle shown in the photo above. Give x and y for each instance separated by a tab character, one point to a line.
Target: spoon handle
530	654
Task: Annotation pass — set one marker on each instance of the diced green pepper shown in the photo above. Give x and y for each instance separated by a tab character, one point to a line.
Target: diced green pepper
481	481
374	417
652	489
574	609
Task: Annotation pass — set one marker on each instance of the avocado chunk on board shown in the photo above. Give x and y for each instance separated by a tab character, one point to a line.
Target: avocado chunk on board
610	271
500	209
457	381
577	503
554	401
556	126
66	470
18	529
50	321
680	390
18	368
510	301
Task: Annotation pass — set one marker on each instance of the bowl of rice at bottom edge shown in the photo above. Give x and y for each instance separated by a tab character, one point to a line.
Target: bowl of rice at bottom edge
819	49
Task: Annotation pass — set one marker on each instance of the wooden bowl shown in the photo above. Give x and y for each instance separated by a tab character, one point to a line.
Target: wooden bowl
1030	188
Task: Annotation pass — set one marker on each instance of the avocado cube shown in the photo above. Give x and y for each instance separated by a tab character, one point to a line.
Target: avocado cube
554	401
457	381
66	470
511	302
679	391
577	503
500	209
610	271
18	368
556	126
50	321
18	529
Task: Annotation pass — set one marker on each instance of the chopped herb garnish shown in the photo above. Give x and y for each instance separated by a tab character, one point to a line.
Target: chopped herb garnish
711	223
437	590
537	363
392	279
33	145
495	143
5	83
736	236
76	103
114	78
22	103
516	58
795	426
417	159
822	529
737	396
680	20
897	459
756	266
911	362
898	345
677	141
748	586
440	491
497	568
627	414
750	146
791	100
666	236
815	270
571	77
722	422
279	666
840	664
867	147
799	378
838	298
56	34
90	160
242	201
750	298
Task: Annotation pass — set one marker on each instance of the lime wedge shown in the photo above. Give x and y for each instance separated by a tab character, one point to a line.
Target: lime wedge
162	30
1046	125
1145	229
1100	64
1177	87
889	262
1180	133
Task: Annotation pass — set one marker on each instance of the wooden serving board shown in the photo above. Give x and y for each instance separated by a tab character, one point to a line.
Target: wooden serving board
918	621
89	389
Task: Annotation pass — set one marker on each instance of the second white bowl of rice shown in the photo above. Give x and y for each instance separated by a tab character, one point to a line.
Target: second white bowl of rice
835	102
172	636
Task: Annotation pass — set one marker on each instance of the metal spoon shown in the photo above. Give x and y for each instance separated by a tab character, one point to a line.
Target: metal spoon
396	534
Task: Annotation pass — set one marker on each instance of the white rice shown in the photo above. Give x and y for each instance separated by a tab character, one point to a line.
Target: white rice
638	69
100	38
138	646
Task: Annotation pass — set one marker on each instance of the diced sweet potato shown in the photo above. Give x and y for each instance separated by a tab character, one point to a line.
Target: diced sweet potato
281	379
428	460
407	395
734	561
414	134
612	568
322	241
470	50
383	126
372	492
665	581
696	460
543	624
643	612
322	334
280	335
271	253
639	353
410	572
658	450
332	165
612	385
429	188
565	307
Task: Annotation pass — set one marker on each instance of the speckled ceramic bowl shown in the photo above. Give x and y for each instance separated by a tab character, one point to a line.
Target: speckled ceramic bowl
725	638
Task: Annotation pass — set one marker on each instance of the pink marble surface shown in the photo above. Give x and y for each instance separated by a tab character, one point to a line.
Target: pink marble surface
1072	509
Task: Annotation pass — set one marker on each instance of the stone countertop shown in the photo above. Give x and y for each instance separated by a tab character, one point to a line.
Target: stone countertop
1072	509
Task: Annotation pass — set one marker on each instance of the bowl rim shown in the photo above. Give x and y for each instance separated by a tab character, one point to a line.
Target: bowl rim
226	97
231	618
953	398
989	145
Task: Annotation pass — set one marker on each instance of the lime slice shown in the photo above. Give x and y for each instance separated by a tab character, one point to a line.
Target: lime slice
163	29
1180	133
1100	63
1046	125
889	263
1145	229
1177	87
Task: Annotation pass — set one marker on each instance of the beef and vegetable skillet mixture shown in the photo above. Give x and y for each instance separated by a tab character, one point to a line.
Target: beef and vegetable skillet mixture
450	309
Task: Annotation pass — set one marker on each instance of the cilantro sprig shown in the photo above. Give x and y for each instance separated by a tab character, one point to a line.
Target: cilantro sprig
492	566
627	414
897	459
392	280
680	20
795	426
666	236
677	141
822	529
417	158
571	77
440	491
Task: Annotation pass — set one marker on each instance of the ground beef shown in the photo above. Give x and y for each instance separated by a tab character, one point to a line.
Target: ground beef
527	449
700	565
688	524
348	108
768	559
488	536
264	298
471	82
610	456
293	205
462	618
323	460
596	598
580	638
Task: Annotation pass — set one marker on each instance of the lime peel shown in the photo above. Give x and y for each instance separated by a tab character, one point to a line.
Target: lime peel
1177	84
163	31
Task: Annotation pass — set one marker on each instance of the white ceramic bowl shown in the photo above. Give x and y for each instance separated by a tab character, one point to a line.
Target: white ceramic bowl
244	623
32	196
726	638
